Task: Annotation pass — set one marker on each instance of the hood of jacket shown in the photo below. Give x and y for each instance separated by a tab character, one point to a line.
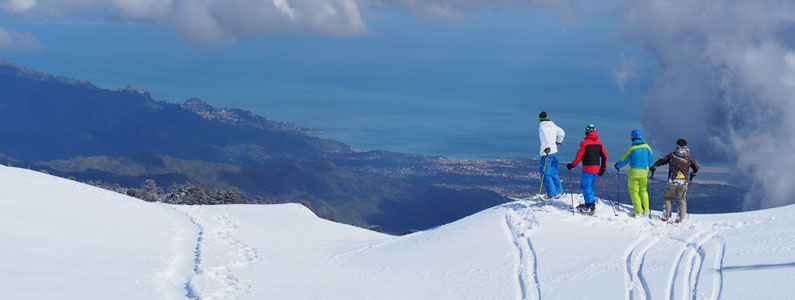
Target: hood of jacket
592	136
682	151
638	142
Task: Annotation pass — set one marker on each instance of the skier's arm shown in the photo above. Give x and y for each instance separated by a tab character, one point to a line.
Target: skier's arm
624	159
663	160
694	165
604	157
559	138
580	152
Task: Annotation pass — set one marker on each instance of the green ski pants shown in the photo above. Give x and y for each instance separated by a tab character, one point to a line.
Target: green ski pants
638	193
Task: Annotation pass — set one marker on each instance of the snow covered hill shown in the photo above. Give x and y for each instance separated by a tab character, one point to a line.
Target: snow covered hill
66	240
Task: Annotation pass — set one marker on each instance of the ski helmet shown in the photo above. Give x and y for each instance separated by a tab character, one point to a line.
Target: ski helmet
590	128
636	134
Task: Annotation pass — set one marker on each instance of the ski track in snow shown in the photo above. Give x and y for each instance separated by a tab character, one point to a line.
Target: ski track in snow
527	264
719	247
218	281
190	292
688	263
691	258
671	286
697	255
629	278
717	284
635	259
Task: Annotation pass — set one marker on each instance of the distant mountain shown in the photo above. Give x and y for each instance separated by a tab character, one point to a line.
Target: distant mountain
72	128
240	117
43	117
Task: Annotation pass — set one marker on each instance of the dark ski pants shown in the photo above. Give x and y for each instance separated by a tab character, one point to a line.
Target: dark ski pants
551	180
679	191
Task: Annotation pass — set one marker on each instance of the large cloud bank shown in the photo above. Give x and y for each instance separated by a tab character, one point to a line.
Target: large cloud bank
725	78
726	82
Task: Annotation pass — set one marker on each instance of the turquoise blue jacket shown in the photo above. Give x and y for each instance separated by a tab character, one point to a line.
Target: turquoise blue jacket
638	156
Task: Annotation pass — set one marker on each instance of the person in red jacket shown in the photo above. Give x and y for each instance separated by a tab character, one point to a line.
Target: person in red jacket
594	163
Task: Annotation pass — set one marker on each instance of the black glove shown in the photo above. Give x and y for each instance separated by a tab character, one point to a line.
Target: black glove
557	144
651	172
616	166
692	174
569	166
602	171
546	151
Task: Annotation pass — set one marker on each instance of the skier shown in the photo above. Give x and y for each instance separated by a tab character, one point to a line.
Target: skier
639	157
551	137
594	161
680	163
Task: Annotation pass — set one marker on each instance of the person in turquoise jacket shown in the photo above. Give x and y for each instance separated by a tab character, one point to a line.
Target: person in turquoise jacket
639	157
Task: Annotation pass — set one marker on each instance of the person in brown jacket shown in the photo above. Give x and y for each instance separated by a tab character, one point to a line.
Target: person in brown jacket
679	164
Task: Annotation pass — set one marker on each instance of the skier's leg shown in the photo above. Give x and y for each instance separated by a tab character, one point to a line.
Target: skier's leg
586	183
681	194
643	193
670	193
555	165
555	185
542	169
632	184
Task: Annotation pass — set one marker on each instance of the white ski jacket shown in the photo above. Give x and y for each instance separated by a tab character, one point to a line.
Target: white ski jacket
550	135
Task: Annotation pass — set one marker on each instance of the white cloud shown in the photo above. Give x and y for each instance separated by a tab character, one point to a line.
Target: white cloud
140	9
16	6
722	84
211	22
10	40
285	8
626	70
219	22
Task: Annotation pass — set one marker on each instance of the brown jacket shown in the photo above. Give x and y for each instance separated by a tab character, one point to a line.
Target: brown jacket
680	163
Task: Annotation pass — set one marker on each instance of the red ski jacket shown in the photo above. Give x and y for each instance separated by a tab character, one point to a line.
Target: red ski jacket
590	152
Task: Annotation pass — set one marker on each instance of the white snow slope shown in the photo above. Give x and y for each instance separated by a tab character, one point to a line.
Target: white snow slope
66	240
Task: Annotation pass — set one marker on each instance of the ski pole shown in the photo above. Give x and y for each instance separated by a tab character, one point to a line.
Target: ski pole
649	188
571	193
608	195
618	188
541	188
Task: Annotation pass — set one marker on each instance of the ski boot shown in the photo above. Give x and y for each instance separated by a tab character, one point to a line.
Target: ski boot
587	208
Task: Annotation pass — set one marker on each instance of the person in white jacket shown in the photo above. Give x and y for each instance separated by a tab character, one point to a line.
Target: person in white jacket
551	137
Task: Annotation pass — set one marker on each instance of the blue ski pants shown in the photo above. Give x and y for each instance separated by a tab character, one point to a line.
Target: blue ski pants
586	183
551	180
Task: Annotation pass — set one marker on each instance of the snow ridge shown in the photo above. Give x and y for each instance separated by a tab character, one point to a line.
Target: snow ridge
85	243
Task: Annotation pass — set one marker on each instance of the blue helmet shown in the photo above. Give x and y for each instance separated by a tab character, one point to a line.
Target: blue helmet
636	134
